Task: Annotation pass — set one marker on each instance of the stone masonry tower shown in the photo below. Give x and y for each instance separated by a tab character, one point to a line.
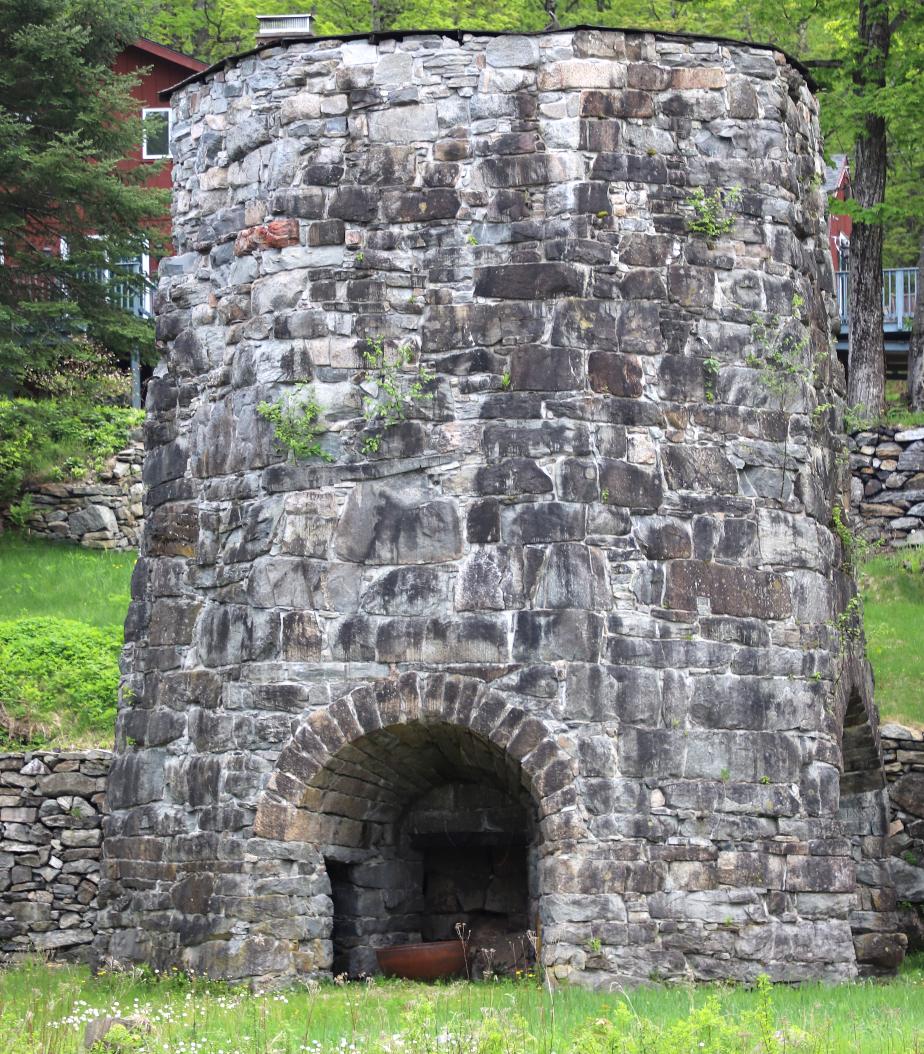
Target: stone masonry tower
569	645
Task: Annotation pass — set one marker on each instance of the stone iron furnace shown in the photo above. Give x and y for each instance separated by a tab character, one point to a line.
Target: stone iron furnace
571	645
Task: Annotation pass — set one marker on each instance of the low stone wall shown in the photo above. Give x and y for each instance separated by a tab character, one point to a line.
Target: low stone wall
887	492
51	813
903	755
101	513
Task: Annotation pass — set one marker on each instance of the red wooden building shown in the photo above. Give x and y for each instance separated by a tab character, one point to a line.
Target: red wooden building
163	67
837	185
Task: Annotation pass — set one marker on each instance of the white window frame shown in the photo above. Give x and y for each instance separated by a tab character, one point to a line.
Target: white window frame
146	111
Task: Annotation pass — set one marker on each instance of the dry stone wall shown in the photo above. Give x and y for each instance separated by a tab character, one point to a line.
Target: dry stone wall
104	512
887	491
592	573
51	810
903	756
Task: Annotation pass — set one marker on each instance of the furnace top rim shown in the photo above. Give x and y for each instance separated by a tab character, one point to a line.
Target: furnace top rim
462	34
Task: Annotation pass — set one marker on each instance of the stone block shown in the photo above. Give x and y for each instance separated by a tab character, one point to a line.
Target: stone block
93	518
615	374
404	124
730	590
549	521
528	281
277	234
384	524
631	486
629	103
556	635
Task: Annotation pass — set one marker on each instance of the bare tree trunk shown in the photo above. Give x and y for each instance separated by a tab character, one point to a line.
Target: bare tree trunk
916	344
866	365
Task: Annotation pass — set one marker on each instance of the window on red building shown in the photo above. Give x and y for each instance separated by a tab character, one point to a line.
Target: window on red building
156	142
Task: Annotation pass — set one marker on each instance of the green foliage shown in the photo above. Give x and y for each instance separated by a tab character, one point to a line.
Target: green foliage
57	439
711	367
706	1029
892	586
297	422
854	547
710	219
782	349
58	681
506	380
500	1017
45	578
118	1038
397	387
62	144
20	512
849	623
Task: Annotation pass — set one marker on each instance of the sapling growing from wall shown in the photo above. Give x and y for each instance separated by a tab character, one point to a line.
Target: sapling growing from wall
780	359
710	218
396	385
297	423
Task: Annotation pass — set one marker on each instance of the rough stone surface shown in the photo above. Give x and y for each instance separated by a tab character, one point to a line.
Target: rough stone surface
887	495
903	759
52	806
103	511
590	575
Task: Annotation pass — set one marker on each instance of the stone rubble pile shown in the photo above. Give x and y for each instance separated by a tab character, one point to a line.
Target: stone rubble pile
103	512
51	813
887	488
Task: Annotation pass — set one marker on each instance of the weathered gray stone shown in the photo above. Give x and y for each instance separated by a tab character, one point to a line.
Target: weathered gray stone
383	524
558	628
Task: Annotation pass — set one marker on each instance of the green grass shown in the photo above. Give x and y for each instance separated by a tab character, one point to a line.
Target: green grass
41	578
893	605
896	407
61	614
44	1010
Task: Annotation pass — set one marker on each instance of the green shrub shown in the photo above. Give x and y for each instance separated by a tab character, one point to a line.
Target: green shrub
297	423
56	439
58	681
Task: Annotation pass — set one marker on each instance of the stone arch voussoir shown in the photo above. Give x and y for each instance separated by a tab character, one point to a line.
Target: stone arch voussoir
548	770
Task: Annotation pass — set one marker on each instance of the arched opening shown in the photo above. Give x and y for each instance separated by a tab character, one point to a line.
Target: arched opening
423	827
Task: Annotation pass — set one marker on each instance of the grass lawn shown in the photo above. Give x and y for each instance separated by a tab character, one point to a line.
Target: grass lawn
44	1010
61	615
896	407
893	607
41	578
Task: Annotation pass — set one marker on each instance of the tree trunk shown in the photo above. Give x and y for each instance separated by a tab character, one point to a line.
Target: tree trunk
866	364
916	344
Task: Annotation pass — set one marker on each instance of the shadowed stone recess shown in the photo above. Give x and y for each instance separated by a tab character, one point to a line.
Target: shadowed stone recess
568	647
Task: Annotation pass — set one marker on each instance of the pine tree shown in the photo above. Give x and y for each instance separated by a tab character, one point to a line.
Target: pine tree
70	209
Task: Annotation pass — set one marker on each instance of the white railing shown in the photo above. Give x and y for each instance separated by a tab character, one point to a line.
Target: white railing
132	296
284	26
899	296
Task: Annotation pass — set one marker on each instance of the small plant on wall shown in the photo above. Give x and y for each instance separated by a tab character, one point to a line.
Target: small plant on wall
783	361
297	423
397	384
709	211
